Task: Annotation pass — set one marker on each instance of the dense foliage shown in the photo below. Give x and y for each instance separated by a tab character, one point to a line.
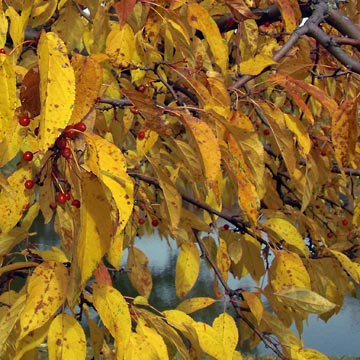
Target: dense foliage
222	125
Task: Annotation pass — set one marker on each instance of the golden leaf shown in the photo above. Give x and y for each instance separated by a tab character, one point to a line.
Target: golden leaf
88	80
222	259
139	274
352	268
120	45
139	347
286	270
57	88
114	313
46	292
344	138
227	332
154	338
288	232
97	227
209	341
256	65
201	20
255	305
191	305
187	269
66	339
304	299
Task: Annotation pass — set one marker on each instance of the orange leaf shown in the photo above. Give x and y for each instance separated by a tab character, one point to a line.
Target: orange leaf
124	9
102	275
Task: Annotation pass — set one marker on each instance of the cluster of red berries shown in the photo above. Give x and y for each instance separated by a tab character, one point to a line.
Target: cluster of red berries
61	148
154	222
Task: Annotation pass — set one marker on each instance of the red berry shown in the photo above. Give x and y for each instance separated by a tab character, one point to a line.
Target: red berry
61	198
70	132
66	153
29	184
141	221
53	205
36	131
142	88
67	196
28	155
323	153
24	120
80	126
76	203
155	223
330	235
60	142
2	51
345	222
266	132
134	110
141	135
226	227
267	24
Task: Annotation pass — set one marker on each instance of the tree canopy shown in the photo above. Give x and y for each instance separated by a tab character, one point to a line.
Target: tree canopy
229	128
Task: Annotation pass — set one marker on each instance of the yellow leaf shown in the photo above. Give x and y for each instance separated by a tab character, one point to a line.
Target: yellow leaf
46	292
311	354
9	319
143	146
288	232
300	131
139	347
42	12
179	320
288	12
10	134
227	332
57	88
3	28
209	341
154	338
286	270
251	256
114	313
187	269
222	259
139	274
31	341
247	195
255	305
18	24
352	268
96	337
343	136
304	299
256	65
191	305
97	228
18	233
113	168
66	339
17	266
172	197
201	20
88	79
14	201
120	45
208	148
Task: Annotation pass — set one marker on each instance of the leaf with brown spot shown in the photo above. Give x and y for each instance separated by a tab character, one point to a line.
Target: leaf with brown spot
66	339
46	292
139	274
343	132
57	89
